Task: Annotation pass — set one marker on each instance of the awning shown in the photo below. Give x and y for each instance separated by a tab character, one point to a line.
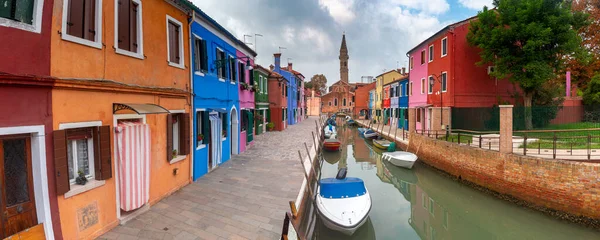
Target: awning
140	108
217	110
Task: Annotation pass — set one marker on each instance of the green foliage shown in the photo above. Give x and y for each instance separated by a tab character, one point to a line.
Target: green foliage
591	95
318	82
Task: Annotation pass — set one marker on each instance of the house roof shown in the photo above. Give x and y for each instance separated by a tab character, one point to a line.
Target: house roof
443	30
404	77
393	70
217	26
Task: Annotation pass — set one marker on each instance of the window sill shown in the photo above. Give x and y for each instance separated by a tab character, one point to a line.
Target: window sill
176	65
221	80
79	189
202	146
81	41
444	55
223	139
130	54
232	83
199	73
179	158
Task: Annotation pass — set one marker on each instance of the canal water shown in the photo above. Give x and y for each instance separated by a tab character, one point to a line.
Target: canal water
423	204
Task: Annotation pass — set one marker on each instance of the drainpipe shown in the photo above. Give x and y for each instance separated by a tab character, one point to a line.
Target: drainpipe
192	109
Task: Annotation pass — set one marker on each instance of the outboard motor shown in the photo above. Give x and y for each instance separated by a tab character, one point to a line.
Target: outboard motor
341	173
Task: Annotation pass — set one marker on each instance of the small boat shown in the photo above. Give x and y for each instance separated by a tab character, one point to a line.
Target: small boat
400	158
370	134
330	131
351	122
343	203
332	145
382	144
361	131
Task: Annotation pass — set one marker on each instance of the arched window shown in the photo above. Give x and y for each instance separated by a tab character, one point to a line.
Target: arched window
330	103
335	102
344	102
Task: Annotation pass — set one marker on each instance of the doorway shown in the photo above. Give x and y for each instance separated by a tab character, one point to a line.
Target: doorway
18	200
234	131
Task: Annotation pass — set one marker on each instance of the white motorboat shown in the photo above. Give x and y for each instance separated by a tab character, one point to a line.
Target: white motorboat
330	132
400	158
370	134
343	203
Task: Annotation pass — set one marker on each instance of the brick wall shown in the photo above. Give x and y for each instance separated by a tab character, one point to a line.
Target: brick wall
567	186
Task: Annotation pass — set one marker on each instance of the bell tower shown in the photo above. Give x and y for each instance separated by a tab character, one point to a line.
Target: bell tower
344	60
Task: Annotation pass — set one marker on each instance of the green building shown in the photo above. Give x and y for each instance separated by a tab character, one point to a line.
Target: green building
261	99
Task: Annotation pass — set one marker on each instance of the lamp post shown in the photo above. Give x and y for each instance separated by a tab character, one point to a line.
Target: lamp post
431	83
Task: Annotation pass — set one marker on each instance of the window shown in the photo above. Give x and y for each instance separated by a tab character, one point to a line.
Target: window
242	71
444	81
128	24
202	128
232	66
17	10
220	59
200	55
444	46
430	83
344	102
335	102
80	153
251	78
286	91
224	124
178	135
244	120
406	89
330	103
412	62
352	98
174	42
422	57
431	53
410	89
81	22
422	85
418	115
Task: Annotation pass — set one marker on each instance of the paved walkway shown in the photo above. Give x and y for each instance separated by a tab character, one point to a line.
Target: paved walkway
245	198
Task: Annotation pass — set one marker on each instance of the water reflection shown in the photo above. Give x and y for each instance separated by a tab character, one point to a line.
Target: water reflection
422	204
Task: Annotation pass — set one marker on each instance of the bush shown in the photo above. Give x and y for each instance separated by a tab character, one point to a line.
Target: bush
591	95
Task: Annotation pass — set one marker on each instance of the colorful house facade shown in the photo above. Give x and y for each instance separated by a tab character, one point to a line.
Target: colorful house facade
130	80
383	80
247	87
418	77
372	103
292	89
313	102
361	107
26	126
385	104
403	92
394	88
261	97
277	99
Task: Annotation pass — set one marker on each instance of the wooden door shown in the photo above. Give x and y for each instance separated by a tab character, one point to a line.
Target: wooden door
17	204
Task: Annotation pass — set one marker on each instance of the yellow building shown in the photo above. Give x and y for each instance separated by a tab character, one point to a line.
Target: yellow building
383	79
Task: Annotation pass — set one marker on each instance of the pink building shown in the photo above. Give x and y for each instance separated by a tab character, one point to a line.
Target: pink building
246	94
417	84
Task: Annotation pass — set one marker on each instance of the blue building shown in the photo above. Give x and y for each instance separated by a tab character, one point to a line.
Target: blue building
215	75
403	103
292	89
371	103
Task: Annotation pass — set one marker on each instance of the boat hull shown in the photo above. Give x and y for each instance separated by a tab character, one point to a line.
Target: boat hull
406	160
370	135
381	144
337	226
334	226
332	145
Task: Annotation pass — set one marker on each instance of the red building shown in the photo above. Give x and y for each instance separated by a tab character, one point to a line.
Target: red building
277	100
26	125
361	107
454	79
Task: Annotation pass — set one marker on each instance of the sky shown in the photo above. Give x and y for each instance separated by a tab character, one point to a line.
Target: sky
308	33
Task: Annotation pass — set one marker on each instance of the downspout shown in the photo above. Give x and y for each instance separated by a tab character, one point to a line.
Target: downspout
192	95
449	125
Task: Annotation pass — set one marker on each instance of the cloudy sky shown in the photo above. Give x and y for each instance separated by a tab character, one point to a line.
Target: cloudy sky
378	32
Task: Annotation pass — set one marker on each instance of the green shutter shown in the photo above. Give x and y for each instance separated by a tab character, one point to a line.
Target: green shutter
204	55
6	8
206	127
233	68
249	132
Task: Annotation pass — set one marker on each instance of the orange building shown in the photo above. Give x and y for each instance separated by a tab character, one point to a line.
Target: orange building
122	82
361	107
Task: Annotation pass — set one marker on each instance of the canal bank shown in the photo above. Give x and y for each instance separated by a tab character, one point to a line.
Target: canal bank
245	198
423	204
562	189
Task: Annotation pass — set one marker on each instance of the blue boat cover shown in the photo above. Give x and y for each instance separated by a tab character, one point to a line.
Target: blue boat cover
370	131
342	188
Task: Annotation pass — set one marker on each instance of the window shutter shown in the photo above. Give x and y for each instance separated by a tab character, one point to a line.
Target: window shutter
197	56
104	158
169	137
204	55
61	162
89	30
184	134
75	18
233	70
123	24
133	27
206	127
176	43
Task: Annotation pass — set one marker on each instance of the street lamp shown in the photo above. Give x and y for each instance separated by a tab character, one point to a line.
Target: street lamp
432	81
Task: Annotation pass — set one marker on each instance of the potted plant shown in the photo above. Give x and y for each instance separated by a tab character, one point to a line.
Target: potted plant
270	126
244	85
81	179
254	88
224	133
258	117
174	153
200	138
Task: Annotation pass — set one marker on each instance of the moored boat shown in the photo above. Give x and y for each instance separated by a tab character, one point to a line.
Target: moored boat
330	131
344	203
401	158
382	144
332	145
370	134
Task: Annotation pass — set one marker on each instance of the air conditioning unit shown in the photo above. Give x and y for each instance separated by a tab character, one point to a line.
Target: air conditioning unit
491	69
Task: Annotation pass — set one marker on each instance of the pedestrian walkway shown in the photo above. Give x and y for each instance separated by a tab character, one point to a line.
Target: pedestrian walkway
245	198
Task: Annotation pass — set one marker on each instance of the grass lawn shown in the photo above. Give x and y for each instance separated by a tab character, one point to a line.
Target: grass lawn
565	140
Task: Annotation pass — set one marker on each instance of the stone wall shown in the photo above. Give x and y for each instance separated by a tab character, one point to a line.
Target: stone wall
571	187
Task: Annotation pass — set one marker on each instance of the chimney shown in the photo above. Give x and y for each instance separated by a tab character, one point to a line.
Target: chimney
277	57
289	66
271	67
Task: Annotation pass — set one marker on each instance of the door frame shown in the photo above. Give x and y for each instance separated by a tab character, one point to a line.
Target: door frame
235	131
39	171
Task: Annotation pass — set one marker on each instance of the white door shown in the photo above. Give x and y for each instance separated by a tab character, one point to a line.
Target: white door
215	136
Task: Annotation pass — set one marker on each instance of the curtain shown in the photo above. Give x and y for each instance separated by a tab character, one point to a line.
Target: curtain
133	153
216	135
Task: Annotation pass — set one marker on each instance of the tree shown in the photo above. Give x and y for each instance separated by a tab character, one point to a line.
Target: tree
584	68
525	40
318	82
591	95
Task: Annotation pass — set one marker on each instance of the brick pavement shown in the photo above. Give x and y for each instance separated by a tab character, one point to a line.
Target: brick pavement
245	198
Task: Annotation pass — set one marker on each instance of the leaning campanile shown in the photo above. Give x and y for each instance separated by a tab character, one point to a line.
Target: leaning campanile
344	60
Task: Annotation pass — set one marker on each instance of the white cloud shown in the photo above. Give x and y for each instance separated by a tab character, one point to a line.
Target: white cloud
340	10
424	6
476	4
